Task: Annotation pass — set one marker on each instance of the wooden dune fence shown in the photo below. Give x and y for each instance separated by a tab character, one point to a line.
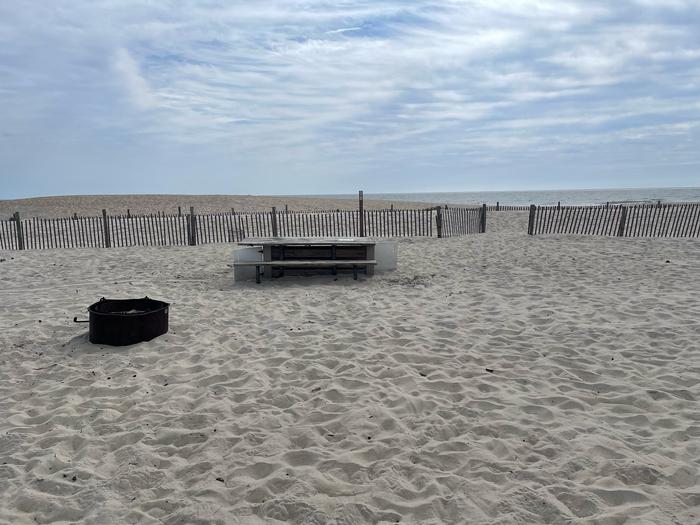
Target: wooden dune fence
192	229
641	220
461	221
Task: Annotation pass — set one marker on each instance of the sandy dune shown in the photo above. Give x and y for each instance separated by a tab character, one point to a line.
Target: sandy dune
92	205
493	379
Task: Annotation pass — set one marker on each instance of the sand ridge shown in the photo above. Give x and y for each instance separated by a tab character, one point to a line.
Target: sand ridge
495	378
92	205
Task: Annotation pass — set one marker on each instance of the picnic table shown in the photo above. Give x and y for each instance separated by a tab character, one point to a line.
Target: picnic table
333	253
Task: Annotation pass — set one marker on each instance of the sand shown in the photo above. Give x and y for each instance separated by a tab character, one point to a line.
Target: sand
493	379
92	205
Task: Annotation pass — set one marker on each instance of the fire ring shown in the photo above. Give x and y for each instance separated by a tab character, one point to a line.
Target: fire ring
121	322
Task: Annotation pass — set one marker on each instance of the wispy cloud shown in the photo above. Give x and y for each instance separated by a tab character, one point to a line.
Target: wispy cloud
351	93
136	86
343	30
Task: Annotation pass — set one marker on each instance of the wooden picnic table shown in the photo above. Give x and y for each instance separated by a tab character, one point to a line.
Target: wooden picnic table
307	241
318	252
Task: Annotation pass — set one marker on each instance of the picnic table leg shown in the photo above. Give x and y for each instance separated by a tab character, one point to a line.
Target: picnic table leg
281	268
267	257
369	269
257	274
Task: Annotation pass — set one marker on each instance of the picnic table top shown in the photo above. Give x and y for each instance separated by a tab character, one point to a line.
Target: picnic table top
308	241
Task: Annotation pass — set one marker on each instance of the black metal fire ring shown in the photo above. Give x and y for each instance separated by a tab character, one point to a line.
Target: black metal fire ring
120	322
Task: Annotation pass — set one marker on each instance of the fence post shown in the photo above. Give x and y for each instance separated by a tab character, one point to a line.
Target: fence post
274	221
362	213
483	219
623	220
438	222
193	228
105	226
531	220
179	211
558	205
20	233
498	206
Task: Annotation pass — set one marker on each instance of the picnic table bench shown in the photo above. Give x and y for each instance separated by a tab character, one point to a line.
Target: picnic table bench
280	253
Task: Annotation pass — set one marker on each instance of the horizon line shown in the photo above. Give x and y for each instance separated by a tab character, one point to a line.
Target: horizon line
321	195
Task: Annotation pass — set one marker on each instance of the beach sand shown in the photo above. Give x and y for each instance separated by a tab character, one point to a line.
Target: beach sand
492	379
92	205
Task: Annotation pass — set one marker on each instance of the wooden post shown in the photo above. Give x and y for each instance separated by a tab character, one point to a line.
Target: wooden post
20	233
193	228
498	206
179	211
105	225
531	220
482	229
274	222
128	213
361	203
558	205
286	209
623	219
438	221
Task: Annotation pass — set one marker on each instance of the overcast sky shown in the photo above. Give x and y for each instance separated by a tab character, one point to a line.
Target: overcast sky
307	97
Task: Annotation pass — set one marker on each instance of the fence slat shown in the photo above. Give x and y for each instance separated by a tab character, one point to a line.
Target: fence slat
600	226
155	219
570	216
641	219
660	221
3	236
690	222
682	221
649	220
668	221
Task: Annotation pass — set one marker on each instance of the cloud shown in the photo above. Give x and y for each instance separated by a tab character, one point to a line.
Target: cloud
343	30
355	87
136	86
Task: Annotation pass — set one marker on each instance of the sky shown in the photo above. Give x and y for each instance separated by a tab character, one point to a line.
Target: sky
316	96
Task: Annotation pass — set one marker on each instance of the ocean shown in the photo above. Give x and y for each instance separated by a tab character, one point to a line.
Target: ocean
546	197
